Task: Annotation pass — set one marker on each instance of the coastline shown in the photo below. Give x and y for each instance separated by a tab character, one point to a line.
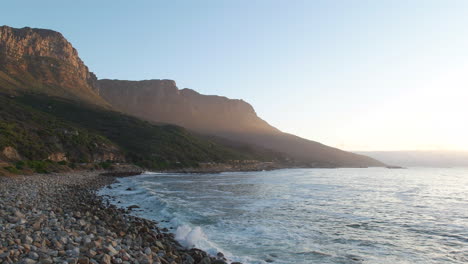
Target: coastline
59	218
230	167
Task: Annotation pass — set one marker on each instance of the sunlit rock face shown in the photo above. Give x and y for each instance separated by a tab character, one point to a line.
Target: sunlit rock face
235	120
10	153
41	60
162	101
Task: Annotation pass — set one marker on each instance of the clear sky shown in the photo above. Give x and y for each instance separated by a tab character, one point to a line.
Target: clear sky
359	75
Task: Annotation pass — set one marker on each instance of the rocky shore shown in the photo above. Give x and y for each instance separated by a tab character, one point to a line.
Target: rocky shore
232	166
58	218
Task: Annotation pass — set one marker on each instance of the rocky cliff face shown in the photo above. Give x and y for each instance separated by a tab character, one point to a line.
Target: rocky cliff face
40	60
43	61
162	101
236	120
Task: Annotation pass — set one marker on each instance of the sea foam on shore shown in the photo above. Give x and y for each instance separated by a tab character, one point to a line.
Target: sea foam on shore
58	218
303	216
144	192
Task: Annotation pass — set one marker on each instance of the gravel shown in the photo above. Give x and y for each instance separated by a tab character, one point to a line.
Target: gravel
59	218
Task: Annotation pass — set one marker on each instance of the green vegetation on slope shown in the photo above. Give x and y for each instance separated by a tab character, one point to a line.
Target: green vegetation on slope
29	122
37	135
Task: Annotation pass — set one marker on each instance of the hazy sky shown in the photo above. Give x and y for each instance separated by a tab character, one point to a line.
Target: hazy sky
359	75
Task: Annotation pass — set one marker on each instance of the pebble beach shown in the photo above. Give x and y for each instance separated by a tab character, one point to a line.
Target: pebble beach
59	218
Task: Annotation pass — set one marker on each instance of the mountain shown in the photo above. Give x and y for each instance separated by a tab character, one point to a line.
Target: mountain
42	75
43	61
161	101
36	127
50	110
421	158
28	133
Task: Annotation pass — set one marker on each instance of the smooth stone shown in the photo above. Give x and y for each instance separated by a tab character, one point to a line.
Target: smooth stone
148	251
205	260
83	260
188	260
28	261
111	250
106	259
144	259
159	244
33	255
72	261
28	240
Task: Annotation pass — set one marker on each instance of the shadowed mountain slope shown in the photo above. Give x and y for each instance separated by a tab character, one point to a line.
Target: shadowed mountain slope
38	62
50	109
162	101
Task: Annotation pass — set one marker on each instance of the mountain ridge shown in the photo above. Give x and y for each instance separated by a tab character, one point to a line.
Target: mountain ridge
42	60
51	111
39	61
187	109
162	101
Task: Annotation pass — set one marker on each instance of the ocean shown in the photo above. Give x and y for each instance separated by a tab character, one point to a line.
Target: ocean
373	215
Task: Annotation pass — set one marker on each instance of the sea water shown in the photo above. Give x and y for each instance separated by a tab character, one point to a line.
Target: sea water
374	215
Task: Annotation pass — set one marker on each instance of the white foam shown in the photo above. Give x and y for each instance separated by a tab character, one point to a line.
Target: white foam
301	216
142	193
190	237
195	238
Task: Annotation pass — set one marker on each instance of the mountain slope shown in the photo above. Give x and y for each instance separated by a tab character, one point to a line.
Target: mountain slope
40	127
42	69
50	109
162	101
26	133
43	61
149	145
